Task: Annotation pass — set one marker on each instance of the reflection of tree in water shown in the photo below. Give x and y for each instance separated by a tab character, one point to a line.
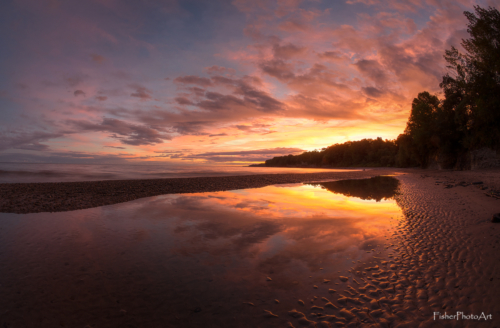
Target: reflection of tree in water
377	188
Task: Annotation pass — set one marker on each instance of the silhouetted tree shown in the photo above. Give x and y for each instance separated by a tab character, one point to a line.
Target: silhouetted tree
421	127
472	90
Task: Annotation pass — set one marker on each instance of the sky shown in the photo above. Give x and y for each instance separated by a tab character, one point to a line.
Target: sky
214	82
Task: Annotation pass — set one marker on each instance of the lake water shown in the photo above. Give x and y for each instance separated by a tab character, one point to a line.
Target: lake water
195	260
23	172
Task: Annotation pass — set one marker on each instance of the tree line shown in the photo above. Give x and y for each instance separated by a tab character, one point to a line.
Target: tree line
444	130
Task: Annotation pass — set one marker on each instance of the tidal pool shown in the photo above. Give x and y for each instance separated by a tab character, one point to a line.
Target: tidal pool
195	260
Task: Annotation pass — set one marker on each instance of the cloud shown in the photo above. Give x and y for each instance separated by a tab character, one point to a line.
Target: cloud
251	99
67	156
116	147
97	58
191	127
366	2
372	92
74	80
254	128
332	55
78	93
142	93
243	96
287	51
304	61
191	79
183	101
26	140
373	70
292	25
258	155
127	133
219	70
279	69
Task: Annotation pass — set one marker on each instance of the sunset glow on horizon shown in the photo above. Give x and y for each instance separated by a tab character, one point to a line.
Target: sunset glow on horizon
214	82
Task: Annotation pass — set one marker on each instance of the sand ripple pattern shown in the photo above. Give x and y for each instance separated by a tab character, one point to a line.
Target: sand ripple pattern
444	258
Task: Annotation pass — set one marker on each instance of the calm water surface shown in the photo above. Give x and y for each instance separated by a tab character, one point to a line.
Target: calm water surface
23	172
192	260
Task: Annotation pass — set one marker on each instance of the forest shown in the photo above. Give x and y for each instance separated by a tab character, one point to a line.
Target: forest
446	130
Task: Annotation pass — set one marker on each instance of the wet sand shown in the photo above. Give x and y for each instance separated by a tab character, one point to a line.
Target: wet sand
447	255
444	257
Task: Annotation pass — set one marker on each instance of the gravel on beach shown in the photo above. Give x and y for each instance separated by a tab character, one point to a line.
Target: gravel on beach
25	198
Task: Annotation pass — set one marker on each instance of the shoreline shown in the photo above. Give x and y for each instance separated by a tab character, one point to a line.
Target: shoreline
444	254
23	198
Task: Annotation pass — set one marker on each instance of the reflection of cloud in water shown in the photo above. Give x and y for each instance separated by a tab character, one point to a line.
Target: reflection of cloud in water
171	254
277	227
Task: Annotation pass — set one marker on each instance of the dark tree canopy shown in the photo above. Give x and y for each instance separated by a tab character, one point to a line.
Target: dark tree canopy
472	89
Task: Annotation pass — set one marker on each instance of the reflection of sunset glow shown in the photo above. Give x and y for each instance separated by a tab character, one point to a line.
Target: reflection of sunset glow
306	222
304	201
167	252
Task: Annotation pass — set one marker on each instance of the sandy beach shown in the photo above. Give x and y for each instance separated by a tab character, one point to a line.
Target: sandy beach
443	261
